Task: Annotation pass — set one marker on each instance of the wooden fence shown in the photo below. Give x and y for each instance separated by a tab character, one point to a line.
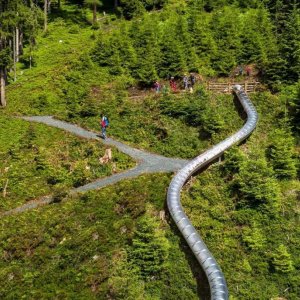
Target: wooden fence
223	87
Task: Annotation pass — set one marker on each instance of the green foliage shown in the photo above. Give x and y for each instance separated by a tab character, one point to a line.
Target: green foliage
253	237
124	282
219	43
291	97
234	158
149	248
257	185
281	260
84	256
281	153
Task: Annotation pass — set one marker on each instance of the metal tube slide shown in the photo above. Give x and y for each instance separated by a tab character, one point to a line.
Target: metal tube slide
217	282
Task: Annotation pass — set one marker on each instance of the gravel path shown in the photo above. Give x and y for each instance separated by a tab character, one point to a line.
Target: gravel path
146	162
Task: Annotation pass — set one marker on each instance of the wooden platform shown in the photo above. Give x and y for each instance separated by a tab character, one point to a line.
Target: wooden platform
226	87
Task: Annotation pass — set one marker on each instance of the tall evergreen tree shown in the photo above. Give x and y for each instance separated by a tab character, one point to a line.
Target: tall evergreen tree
258	186
281	154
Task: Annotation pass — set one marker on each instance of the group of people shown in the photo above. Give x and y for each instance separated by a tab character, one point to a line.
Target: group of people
188	84
242	71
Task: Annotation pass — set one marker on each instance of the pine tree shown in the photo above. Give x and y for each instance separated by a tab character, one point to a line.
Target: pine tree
145	39
281	154
281	260
172	61
226	30
257	37
203	40
149	248
124	281
257	185
290	44
254	238
14	17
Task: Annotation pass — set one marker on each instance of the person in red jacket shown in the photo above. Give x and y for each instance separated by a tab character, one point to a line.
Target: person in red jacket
173	85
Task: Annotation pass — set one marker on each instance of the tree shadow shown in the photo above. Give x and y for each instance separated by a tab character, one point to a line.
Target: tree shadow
74	15
239	108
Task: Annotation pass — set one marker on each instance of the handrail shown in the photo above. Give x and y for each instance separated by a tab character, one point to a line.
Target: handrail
216	279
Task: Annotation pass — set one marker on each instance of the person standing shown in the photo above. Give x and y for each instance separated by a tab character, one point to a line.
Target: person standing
173	85
185	82
104	125
192	81
157	86
248	71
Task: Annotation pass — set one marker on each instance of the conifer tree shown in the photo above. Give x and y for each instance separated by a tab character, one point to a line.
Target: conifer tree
282	261
14	17
226	30
185	42
258	40
202	39
149	248
172	62
281	154
145	39
258	186
124	281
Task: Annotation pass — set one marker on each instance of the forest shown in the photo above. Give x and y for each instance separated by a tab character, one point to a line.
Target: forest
77	60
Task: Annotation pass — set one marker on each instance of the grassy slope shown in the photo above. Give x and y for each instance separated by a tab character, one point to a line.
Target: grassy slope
37	266
77	258
43	160
38	160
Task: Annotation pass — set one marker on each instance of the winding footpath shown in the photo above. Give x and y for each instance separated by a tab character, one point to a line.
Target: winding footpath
146	162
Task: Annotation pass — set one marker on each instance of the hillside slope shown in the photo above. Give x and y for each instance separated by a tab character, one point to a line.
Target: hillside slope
115	243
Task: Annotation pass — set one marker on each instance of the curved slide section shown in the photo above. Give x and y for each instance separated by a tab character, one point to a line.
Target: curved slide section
217	282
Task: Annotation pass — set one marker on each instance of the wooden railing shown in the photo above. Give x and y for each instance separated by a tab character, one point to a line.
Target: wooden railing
226	87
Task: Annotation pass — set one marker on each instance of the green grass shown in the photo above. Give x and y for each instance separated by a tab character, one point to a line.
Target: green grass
75	249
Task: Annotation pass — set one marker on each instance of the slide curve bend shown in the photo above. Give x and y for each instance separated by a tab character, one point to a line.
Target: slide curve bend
216	279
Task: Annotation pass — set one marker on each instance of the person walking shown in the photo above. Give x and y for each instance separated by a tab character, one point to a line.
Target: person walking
104	125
